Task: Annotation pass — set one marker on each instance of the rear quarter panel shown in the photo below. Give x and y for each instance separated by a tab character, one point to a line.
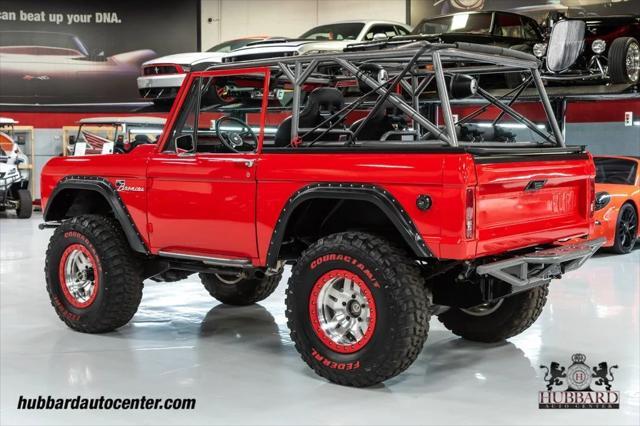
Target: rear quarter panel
405	176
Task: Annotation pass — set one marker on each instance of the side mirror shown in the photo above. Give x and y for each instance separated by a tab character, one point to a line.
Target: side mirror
184	144
379	36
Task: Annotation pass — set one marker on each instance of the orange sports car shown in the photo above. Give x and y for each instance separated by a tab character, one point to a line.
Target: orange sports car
617	201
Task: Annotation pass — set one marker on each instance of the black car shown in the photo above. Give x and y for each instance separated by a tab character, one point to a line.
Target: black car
593	48
502	29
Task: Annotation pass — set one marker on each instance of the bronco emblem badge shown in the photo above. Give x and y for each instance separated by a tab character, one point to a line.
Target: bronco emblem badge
121	186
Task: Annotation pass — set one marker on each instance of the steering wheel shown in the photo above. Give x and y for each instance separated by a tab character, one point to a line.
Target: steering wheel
233	139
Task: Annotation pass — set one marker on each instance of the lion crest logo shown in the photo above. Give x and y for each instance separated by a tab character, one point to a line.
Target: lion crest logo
578	376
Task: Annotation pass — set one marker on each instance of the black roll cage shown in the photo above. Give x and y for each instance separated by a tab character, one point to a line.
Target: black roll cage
412	67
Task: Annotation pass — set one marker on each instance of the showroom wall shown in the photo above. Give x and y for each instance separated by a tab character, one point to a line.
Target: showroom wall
228	19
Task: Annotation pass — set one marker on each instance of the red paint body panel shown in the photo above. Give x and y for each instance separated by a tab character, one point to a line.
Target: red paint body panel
132	167
227	205
508	215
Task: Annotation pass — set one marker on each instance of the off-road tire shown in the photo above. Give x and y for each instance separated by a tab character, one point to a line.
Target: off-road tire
245	292
401	304
513	316
617	60
618	246
120	284
25	204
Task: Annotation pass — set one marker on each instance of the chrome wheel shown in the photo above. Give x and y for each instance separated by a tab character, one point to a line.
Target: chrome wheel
342	311
632	62
78	276
484	309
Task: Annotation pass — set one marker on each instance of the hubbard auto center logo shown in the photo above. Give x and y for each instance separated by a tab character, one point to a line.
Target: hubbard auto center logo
579	385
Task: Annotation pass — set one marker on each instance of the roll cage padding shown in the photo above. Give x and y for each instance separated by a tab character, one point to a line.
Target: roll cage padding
495	50
104	188
380	197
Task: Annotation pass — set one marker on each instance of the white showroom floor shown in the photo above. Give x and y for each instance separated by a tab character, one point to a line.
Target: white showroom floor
240	364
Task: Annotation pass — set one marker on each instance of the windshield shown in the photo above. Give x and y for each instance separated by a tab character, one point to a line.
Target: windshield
345	31
229	46
41	39
615	170
473	23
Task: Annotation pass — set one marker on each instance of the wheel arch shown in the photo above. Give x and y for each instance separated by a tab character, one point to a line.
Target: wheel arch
633	204
78	195
339	201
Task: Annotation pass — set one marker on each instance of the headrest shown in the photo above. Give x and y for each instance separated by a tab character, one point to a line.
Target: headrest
325	99
142	139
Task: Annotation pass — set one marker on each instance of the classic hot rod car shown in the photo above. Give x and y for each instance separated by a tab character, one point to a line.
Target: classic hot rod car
47	67
593	48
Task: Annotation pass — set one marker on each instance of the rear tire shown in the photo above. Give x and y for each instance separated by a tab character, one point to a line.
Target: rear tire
626	230
93	279
496	322
357	309
237	291
624	61
25	204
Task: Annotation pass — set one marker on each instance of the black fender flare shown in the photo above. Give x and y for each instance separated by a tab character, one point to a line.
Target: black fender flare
109	193
376	195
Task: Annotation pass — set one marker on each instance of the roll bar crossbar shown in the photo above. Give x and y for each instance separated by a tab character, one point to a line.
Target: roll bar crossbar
413	67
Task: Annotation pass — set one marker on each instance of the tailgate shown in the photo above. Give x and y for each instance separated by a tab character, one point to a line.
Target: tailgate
525	200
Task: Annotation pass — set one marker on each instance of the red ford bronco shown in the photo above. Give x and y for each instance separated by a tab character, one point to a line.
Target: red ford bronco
353	169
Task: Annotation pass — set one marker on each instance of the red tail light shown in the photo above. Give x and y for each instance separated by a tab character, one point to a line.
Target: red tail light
591	196
470	214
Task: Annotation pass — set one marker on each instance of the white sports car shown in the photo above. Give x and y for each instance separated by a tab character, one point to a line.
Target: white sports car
161	78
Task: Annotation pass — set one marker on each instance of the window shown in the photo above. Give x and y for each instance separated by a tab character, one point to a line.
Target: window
615	170
508	25
387	30
229	46
221	114
344	31
471	23
530	29
401	30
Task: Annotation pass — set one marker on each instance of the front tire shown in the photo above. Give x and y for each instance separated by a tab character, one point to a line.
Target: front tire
624	61
238	291
93	279
357	309
25	204
497	321
626	230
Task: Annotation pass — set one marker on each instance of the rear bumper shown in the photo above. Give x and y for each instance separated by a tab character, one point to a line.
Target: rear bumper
538	267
